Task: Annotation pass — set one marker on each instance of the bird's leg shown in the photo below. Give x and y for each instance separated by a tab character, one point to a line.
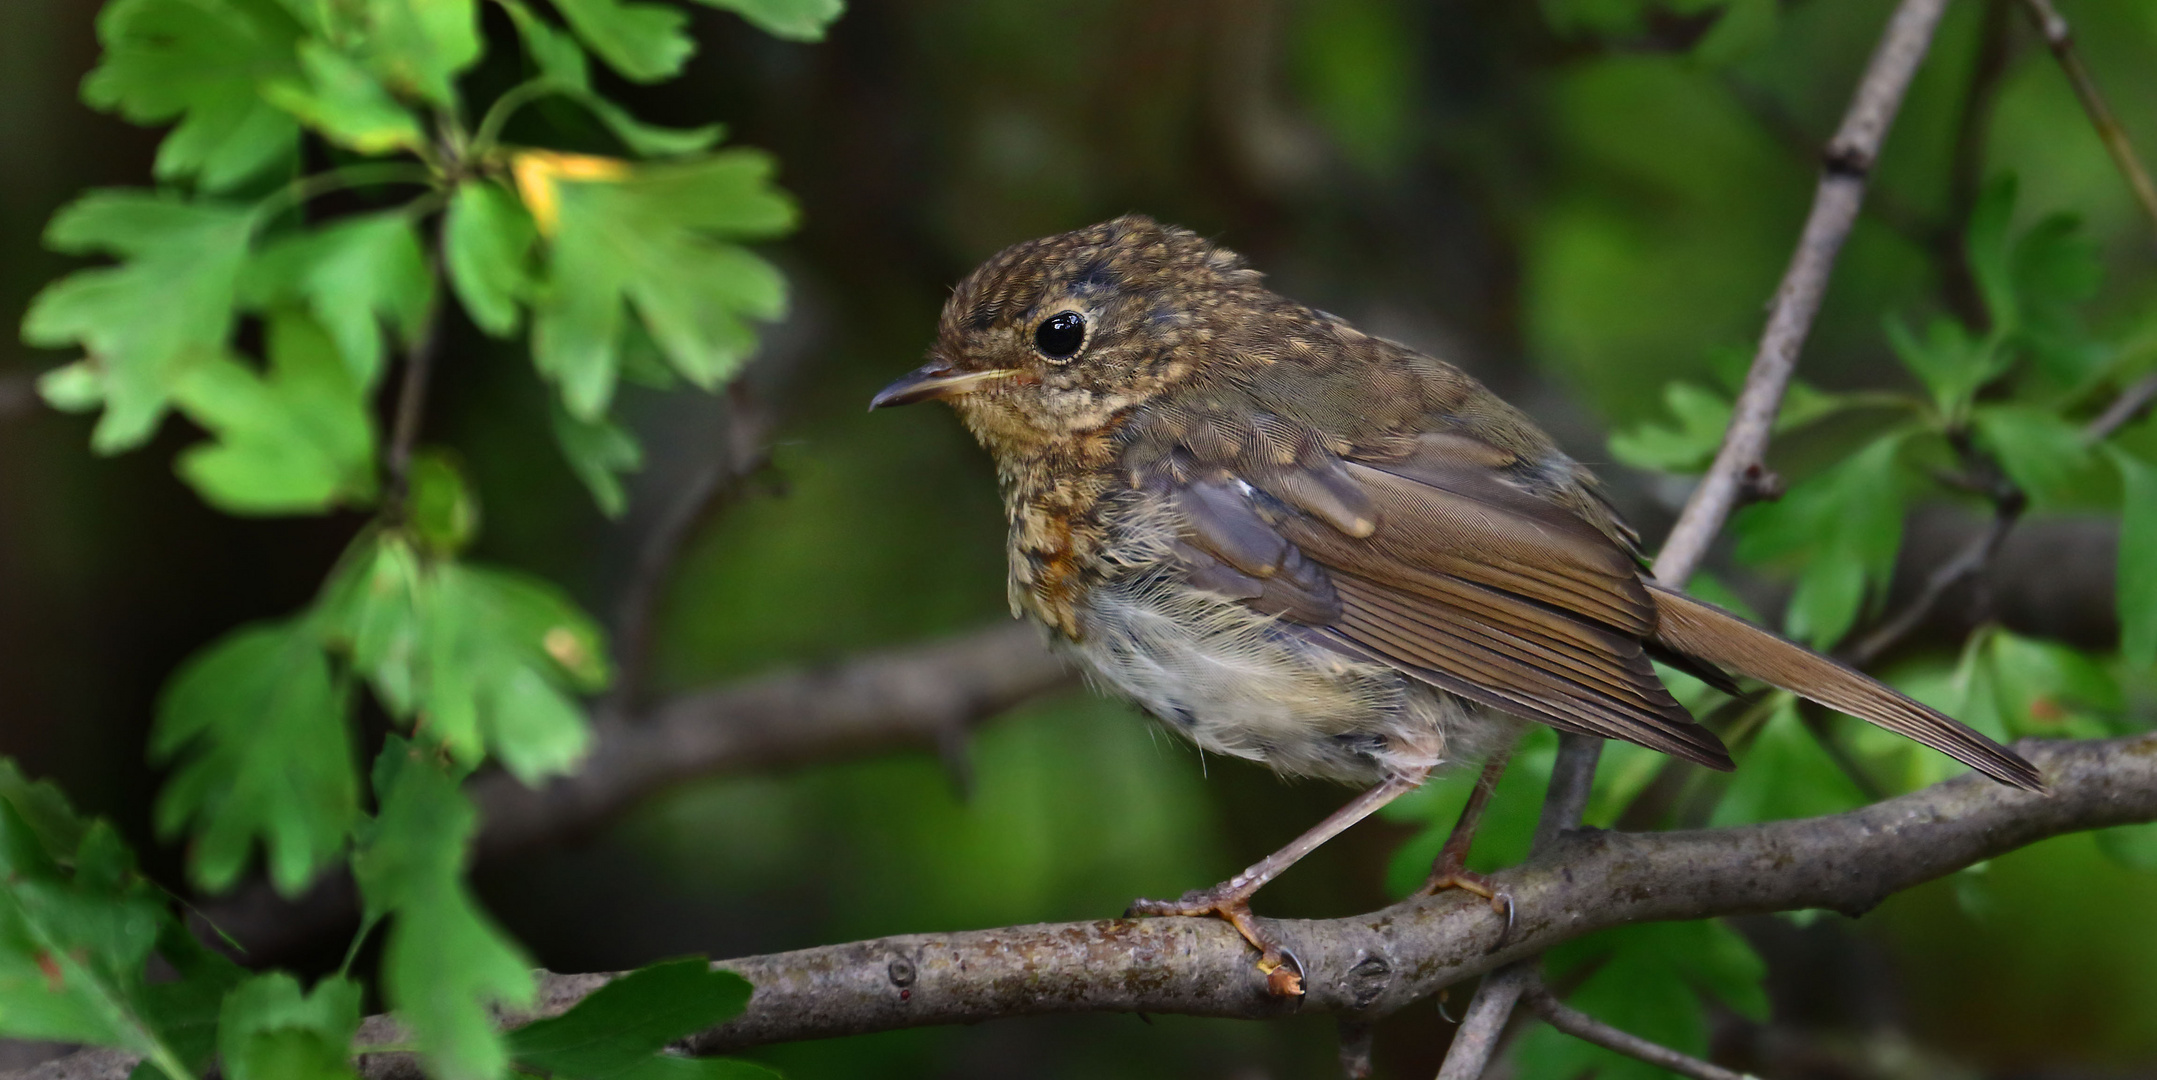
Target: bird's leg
1231	899
1450	869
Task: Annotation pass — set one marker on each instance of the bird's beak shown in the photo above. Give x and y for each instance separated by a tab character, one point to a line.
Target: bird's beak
935	381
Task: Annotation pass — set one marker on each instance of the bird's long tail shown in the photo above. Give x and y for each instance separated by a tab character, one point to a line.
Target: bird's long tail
1718	637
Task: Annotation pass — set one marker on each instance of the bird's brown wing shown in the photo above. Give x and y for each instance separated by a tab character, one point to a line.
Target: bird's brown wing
1430	559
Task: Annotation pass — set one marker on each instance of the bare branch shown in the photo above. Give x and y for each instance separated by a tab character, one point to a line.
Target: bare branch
412	394
1480	1031
1587	1028
2061	39
2132	403
1368	966
713	485
879	701
1850	155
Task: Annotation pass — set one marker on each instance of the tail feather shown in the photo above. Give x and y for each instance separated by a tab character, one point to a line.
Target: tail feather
1717	637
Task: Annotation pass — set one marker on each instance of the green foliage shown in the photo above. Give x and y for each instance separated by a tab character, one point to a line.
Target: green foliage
652	239
444	963
77	925
620	1031
1843	527
200	64
269	1030
2137	588
262	723
269	325
1647	980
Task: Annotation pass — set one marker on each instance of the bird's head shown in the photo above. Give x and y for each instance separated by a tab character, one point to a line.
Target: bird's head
1054	338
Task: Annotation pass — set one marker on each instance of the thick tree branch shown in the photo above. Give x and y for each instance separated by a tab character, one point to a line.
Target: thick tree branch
1741	463
1368	966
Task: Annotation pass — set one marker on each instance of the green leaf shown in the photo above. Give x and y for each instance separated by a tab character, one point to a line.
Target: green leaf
2048	689
2039	450
795	20
1745	26
353	276
200	62
598	452
2137	585
1647	980
445	965
2033	284
76	927
419	46
487	247
260	729
440	507
484	658
1785	773
297	439
168	305
1842	527
1951	363
644	42
562	64
652	239
1702	415
184	1010
628	1022
341	99
1989	249
269	1030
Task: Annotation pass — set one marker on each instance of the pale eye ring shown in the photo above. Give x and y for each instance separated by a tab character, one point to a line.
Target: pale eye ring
1061	336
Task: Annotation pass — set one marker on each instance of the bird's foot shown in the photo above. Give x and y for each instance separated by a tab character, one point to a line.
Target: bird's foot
1450	875
1283	972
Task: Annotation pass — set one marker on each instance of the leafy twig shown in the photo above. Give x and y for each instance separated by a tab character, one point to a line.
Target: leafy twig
2061	39
1849	159
1580	1025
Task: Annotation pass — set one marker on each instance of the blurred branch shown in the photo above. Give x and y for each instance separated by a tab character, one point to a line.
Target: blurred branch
1580	1025
712	487
1740	465
18	394
1480	1031
1369	966
2061	39
874	702
412	394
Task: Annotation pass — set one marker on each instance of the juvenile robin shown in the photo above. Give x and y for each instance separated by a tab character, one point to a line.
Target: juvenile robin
1296	543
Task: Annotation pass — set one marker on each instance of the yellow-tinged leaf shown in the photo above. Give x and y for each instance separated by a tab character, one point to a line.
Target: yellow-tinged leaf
538	171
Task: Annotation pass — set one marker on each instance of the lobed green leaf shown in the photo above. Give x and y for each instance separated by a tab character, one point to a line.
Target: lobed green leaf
445	964
598	451
259	728
794	20
200	62
169	305
625	1025
296	439
269	1030
2137	573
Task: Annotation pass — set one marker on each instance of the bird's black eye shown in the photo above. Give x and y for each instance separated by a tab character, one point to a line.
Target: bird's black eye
1060	335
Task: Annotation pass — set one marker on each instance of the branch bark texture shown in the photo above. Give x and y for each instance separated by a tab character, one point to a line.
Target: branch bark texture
1367	966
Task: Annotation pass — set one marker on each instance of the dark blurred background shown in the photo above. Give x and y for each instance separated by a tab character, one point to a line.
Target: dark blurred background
1578	200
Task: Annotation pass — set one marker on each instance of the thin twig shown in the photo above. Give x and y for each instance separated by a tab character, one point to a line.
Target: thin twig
1370	966
412	395
2132	403
1580	1025
1850	155
714	485
1476	1042
2061	39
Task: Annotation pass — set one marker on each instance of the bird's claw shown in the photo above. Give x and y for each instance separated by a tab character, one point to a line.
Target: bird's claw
1281	967
1454	877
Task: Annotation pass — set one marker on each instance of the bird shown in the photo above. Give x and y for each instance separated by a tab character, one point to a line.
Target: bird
1300	544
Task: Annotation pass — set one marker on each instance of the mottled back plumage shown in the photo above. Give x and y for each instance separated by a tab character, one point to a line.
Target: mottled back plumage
1301	544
